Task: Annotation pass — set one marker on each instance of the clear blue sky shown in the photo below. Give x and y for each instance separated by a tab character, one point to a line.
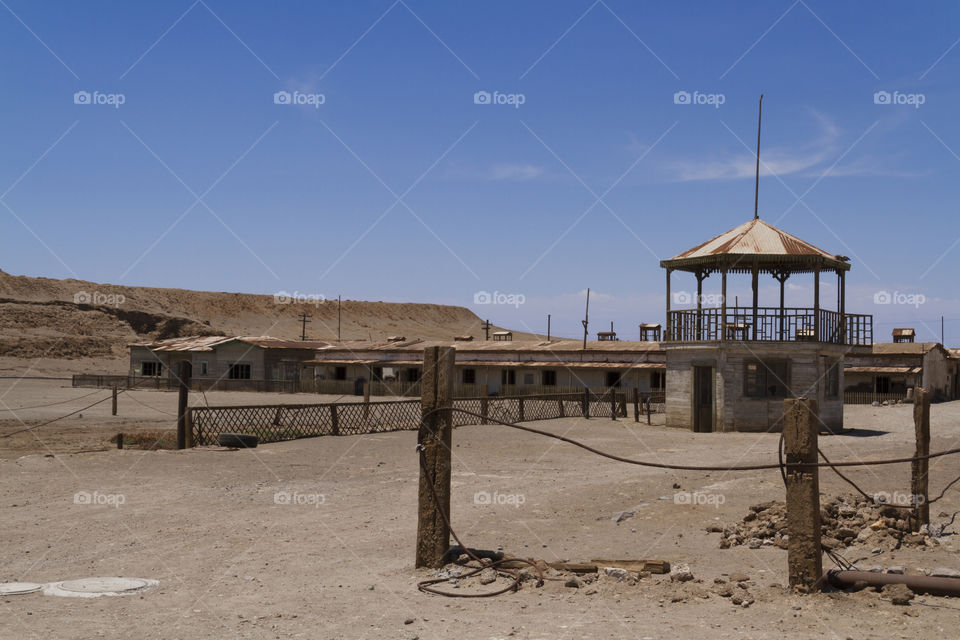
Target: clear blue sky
200	180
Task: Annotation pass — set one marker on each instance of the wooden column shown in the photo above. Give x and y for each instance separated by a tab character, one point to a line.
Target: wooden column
843	307
334	420
669	330
433	444
756	284
636	404
919	469
800	429
700	276
816	303
723	305
183	376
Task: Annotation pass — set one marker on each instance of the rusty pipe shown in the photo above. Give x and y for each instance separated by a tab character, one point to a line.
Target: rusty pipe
917	584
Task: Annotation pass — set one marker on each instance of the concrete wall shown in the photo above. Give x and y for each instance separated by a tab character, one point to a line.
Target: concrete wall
732	409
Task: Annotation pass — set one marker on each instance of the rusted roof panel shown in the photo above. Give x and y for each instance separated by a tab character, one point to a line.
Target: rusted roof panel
208	343
882	370
755	237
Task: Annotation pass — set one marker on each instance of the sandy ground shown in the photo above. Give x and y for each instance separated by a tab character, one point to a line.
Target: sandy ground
337	561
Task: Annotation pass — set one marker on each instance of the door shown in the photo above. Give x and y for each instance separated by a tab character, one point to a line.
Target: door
703	399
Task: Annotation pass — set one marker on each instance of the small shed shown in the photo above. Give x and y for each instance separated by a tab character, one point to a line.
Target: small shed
649	332
904	335
503	336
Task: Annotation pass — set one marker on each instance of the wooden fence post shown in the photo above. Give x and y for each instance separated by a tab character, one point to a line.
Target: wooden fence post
804	555
919	469
113	406
520	413
184	379
636	404
433	444
120	441
484	409
613	404
188	428
649	398
334	421
586	403
561	407
366	401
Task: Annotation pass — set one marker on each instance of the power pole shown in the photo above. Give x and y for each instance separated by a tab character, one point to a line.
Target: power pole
304	319
486	329
586	319
338	319
548	327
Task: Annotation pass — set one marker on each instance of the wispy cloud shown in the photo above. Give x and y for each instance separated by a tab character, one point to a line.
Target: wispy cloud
517	172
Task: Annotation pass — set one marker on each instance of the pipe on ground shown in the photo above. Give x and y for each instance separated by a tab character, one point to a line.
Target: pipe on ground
917	584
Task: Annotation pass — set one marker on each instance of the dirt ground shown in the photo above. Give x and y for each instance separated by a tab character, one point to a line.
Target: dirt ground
335	560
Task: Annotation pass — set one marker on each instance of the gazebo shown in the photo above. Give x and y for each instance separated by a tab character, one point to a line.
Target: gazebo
729	367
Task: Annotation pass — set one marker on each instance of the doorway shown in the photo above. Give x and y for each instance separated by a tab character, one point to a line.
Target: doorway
702	399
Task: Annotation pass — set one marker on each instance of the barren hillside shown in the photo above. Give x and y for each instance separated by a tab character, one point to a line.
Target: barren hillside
75	319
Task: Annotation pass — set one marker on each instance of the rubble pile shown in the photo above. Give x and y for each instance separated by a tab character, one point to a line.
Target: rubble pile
846	520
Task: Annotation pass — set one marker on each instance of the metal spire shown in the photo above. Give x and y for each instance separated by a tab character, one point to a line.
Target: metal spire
756	189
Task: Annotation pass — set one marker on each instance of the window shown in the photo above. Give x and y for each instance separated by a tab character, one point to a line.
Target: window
238	372
528	378
469	376
613	378
658	379
508	376
767	379
204	369
378	374
340	373
548	378
151	368
411	375
831	379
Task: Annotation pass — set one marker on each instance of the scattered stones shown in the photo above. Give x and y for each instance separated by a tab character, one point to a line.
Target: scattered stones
899	594
943	572
616	572
573	582
488	576
739	577
897	569
681	573
620	516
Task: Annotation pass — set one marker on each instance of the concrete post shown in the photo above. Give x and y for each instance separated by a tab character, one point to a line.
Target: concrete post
433	442
800	429
919	469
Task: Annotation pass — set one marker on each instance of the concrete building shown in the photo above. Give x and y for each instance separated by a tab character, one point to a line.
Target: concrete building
730	367
889	370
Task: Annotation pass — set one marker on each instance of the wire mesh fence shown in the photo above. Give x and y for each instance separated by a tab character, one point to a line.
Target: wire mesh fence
275	423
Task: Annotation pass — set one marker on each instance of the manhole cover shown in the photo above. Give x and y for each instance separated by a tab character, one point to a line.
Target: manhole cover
94	587
19	588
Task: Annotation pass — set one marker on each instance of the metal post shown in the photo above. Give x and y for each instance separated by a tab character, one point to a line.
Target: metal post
800	429
184	378
433	444
113	406
586	403
636	404
919	468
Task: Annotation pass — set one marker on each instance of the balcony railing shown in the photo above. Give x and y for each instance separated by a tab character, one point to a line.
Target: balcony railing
770	324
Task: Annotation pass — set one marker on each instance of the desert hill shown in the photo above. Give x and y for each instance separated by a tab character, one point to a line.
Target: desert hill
76	319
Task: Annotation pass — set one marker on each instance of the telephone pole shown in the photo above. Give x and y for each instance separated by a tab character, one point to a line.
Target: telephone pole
338	319
486	329
586	319
304	319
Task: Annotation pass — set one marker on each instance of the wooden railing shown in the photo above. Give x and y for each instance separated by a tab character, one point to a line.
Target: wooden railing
772	324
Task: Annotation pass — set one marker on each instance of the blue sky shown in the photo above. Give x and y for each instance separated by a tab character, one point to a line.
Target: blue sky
400	187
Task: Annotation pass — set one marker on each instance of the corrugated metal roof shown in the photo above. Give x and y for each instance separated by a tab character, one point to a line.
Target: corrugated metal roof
754	237
551	364
555	345
882	370
903	348
208	343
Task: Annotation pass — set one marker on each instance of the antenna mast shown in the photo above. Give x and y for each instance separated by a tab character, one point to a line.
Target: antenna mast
756	188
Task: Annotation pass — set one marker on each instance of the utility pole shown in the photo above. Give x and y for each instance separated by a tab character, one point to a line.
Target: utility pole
586	320
304	319
548	327
338	319
486	329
